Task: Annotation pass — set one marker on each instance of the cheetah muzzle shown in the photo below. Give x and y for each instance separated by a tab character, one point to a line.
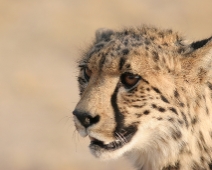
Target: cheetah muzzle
147	94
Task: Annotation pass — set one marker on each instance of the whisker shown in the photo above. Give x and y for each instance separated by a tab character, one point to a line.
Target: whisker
75	136
121	138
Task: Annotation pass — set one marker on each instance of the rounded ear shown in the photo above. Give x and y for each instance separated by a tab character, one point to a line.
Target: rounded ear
103	34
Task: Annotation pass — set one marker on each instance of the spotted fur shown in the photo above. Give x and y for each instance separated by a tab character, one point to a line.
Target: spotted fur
163	122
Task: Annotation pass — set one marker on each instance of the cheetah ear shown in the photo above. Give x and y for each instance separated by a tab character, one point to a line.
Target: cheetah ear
103	34
198	59
201	52
200	44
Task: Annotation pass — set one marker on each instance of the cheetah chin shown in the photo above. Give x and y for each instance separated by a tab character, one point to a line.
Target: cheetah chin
146	94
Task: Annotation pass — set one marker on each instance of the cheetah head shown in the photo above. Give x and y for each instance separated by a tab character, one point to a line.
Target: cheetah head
130	93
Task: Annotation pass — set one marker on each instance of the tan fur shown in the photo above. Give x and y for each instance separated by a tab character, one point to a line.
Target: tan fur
168	113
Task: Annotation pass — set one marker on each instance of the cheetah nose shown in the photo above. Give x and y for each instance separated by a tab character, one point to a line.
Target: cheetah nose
85	118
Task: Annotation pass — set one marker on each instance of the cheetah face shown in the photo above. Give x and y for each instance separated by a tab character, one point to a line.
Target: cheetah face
119	90
127	83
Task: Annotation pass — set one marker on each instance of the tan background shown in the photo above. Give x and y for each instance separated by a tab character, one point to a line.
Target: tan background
40	40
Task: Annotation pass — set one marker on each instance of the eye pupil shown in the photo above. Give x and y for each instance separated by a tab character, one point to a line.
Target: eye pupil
129	79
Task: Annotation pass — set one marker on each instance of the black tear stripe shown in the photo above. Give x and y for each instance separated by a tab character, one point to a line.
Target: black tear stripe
119	118
127	131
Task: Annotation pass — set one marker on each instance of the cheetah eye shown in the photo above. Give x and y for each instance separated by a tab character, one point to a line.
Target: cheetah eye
129	79
87	73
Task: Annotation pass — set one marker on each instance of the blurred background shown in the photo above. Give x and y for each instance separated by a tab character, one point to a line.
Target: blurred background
40	42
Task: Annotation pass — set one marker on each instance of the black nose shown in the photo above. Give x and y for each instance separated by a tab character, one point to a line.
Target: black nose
85	118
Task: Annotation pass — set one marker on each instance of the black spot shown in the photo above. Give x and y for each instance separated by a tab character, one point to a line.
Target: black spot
154	106
146	112
132	90
112	54
171	119
125	51
138	115
199	145
173	167
207	112
121	63
173	110
161	109
126	32
136	100
185	119
156	90
134	44
147	89
161	34
126	42
164	99
201	137
102	61
202	159
118	48
155	56
142	96
180	121
176	134
152	38
194	121
156	68
209	85
147	42
165	44
182	104
159	118
169	31
147	48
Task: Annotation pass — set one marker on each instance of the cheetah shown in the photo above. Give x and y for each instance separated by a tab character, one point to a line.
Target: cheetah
146	94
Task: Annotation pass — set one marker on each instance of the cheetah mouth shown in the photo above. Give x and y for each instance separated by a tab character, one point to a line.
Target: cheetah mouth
96	144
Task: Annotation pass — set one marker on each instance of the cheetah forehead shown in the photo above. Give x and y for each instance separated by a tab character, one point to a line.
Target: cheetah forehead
114	49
